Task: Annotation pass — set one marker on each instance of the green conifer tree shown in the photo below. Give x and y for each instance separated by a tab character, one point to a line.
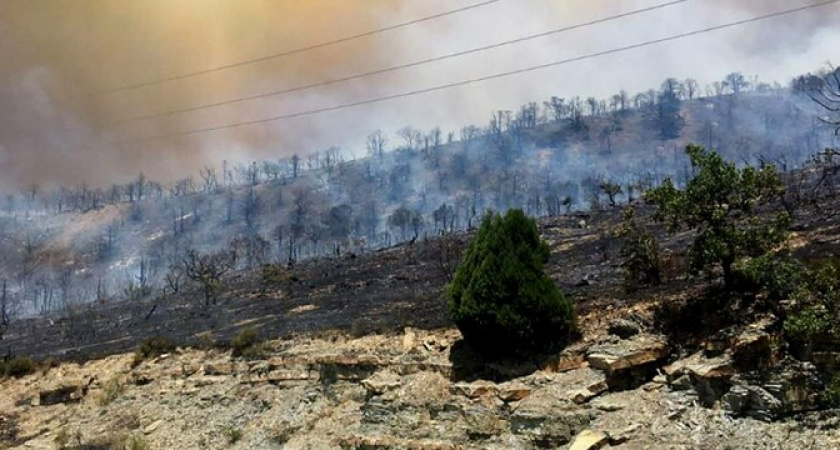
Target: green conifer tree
501	299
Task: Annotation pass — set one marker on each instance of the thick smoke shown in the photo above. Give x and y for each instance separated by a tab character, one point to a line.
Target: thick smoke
58	56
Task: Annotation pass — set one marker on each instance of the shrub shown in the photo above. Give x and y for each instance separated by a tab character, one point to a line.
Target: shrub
18	367
245	342
719	203
233	435
273	276
153	347
500	298
111	391
641	262
778	275
812	318
831	396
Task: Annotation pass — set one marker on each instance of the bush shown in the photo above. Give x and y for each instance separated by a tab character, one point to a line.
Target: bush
233	435
111	391
812	321
153	347
244	343
778	276
641	262
831	396
501	299
17	367
719	203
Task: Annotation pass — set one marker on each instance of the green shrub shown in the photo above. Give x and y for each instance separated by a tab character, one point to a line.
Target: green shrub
719	203
111	391
153	347
813	317
777	275
17	367
831	396
641	263
245	342
233	435
500	298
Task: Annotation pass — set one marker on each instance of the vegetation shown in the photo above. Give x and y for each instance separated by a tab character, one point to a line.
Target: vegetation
233	435
641	262
719	203
112	389
17	367
245	343
153	347
501	299
812	321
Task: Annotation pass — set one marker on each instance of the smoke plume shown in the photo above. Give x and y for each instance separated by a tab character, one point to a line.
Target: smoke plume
59	56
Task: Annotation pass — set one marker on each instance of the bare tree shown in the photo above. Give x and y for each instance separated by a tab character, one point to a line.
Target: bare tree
376	143
825	91
208	270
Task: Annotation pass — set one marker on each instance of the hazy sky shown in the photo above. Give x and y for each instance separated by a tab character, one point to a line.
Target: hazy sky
58	56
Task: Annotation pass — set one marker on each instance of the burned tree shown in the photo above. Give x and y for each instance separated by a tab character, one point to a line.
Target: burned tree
208	270
825	91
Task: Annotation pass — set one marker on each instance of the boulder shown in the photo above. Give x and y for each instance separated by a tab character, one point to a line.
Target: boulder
629	364
624	328
709	377
545	417
381	382
69	392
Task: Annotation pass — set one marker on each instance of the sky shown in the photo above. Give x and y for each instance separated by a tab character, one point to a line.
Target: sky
60	61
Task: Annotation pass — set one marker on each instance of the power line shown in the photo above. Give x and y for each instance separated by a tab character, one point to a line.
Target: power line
486	77
397	67
296	51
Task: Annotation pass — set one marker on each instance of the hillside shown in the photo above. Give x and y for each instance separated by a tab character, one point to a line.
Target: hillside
362	355
64	247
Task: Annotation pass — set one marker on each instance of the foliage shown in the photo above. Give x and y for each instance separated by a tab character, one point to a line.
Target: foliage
273	276
611	190
152	347
831	396
777	275
641	262
17	367
719	203
112	389
244	343
813	319
501	299
233	435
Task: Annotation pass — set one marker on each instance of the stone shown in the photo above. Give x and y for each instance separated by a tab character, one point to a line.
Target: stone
409	339
153	427
381	382
629	364
483	422
613	358
546	417
621	437
709	377
590	440
751	401
474	390
624	328
68	392
581	396
514	392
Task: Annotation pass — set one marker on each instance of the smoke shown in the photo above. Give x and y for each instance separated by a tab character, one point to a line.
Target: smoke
58	56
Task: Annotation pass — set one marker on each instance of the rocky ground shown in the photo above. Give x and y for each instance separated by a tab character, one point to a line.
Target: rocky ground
415	390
